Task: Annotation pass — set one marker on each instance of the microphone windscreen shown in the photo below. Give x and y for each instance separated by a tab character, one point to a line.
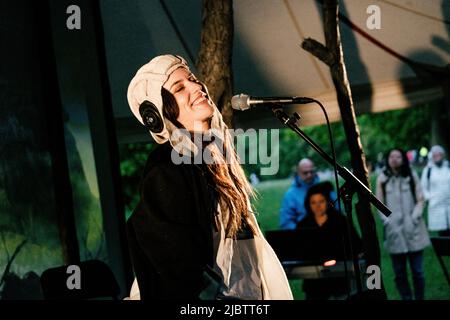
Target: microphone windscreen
240	102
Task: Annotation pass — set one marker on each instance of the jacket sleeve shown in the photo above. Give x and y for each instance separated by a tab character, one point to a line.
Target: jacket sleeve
168	236
380	196
333	198
424	183
288	213
420	201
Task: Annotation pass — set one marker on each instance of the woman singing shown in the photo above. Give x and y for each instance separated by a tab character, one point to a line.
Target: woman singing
194	221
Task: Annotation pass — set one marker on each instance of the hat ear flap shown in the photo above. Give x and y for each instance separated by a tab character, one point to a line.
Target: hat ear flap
151	117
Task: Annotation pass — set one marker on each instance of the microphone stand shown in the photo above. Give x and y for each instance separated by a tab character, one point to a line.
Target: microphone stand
351	185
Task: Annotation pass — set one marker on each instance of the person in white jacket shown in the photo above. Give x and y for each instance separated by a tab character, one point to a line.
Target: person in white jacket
436	188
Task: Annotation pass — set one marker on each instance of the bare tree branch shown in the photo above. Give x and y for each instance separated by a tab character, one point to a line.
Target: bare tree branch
319	51
333	53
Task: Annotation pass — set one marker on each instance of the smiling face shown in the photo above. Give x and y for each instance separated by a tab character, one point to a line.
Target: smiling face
195	107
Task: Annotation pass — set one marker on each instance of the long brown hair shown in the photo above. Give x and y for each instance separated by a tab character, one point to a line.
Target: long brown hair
231	184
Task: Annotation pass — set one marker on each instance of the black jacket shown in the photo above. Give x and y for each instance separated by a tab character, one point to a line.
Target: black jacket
331	242
170	230
332	238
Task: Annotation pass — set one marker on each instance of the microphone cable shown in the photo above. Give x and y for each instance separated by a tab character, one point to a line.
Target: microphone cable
338	193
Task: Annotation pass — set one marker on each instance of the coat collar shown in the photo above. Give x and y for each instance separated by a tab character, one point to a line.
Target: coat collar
298	182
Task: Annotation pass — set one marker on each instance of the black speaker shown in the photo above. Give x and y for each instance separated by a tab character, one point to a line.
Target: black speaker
151	117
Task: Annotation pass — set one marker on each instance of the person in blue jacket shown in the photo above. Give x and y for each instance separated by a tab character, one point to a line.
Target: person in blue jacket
293	205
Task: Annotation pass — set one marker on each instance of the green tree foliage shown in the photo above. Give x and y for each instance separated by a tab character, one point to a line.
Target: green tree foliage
133	158
407	128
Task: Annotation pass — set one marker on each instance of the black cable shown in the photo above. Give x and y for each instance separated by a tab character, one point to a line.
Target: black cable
351	182
336	180
177	31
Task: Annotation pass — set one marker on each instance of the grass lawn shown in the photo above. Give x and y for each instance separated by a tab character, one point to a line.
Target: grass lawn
268	205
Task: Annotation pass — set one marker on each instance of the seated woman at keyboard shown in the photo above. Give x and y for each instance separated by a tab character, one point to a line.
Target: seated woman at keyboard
331	241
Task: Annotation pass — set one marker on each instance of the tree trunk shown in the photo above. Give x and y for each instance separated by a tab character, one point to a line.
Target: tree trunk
440	119
332	55
445	120
214	58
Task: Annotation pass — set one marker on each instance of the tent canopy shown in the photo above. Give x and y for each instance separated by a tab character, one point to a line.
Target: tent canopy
269	61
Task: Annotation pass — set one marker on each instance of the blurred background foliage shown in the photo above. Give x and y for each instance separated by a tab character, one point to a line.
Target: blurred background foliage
407	128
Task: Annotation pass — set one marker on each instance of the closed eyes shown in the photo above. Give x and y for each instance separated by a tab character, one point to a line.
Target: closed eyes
180	87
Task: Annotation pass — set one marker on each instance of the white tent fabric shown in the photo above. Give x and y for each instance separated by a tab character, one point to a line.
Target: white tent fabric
268	59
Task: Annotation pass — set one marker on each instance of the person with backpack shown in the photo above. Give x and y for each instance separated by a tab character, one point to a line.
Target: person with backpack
436	188
405	232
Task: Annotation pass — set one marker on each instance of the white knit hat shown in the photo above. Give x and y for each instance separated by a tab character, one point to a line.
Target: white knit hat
437	149
147	84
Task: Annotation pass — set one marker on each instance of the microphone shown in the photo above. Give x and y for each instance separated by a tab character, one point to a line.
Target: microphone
243	101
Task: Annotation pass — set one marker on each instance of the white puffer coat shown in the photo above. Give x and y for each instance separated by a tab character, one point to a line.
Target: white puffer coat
436	188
